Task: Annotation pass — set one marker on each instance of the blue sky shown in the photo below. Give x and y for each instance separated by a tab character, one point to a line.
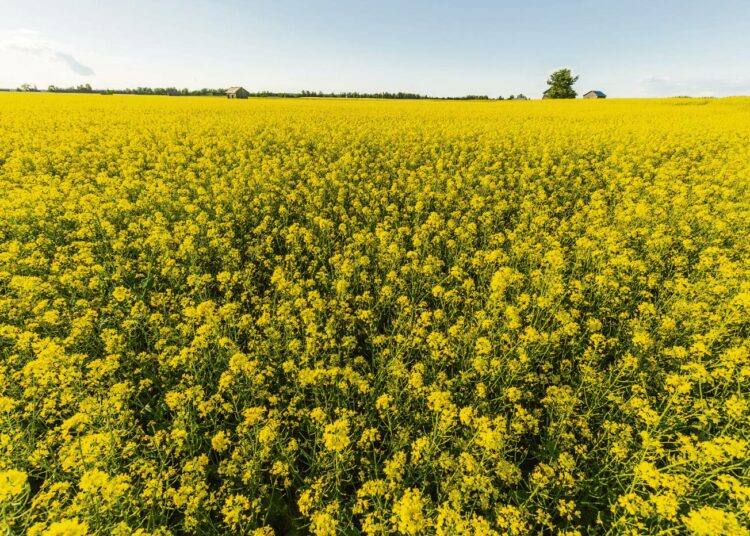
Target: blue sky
628	48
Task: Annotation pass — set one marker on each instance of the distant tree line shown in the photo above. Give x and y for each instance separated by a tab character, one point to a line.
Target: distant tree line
220	92
560	87
345	95
83	88
170	91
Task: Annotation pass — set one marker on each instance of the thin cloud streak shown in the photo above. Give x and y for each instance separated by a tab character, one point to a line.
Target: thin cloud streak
30	42
75	65
669	86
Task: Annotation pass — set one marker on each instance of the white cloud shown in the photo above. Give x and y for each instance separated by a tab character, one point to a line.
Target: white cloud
669	86
32	43
657	79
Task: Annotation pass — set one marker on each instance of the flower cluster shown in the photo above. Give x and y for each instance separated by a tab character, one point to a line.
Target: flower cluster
337	317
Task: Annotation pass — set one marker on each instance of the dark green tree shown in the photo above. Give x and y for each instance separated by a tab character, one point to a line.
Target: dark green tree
561	85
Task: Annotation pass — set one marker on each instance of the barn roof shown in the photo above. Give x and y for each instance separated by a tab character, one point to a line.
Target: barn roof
597	93
234	89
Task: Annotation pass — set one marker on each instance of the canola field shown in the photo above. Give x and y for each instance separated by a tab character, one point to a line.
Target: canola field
374	317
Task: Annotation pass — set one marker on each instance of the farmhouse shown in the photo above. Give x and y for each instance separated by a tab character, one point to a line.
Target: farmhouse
237	92
594	95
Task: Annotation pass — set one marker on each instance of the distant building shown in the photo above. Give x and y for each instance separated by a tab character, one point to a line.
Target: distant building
545	95
594	95
237	92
